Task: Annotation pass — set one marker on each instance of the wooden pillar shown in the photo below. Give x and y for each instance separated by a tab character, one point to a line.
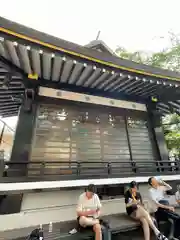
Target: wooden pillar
21	149
157	131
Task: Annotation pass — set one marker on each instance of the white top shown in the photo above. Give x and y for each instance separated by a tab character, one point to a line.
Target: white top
177	195
157	194
86	204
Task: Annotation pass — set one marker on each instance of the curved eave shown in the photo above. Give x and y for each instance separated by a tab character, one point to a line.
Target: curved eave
55	68
59	62
27	34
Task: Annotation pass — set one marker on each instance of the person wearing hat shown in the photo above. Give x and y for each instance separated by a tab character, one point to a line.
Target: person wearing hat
135	209
88	210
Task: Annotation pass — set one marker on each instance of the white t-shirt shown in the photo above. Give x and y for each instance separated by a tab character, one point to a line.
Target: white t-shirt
177	195
157	194
85	204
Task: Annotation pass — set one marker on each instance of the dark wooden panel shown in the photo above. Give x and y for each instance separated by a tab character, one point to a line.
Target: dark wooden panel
140	141
65	133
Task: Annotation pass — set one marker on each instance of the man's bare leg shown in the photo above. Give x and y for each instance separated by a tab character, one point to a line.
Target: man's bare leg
97	230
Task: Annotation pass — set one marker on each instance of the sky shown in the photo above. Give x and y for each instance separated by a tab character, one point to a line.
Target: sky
137	25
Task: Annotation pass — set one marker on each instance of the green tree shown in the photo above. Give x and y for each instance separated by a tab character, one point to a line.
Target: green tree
168	58
171	125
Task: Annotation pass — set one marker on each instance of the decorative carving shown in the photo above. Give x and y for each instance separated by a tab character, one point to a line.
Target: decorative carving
87	98
134	105
59	93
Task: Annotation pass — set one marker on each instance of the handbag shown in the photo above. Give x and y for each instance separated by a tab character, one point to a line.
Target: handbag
36	234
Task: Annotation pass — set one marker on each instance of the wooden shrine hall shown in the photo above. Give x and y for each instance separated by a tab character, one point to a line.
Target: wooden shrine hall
83	113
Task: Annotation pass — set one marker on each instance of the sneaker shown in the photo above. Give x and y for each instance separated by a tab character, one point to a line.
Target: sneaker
160	236
73	231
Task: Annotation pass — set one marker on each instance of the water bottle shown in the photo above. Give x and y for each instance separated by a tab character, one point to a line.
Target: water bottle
159	179
50	227
41	235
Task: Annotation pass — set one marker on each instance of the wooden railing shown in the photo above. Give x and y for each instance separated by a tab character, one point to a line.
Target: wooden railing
81	170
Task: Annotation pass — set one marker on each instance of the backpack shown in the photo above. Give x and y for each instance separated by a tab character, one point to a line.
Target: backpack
36	234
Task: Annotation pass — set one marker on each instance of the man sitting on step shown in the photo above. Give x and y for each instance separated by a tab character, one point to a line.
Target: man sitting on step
164	211
88	211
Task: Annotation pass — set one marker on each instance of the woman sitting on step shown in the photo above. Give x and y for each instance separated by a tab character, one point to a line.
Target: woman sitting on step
135	209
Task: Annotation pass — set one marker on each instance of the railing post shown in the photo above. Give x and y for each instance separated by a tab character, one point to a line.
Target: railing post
2	165
42	168
109	168
134	167
78	168
178	165
172	166
158	164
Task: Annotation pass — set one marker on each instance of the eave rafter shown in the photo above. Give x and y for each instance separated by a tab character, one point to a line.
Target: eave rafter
55	65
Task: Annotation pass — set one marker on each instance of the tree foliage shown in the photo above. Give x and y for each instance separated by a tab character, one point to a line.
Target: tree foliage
168	58
171	125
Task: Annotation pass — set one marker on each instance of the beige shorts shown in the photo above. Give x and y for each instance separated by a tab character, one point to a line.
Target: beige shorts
87	221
